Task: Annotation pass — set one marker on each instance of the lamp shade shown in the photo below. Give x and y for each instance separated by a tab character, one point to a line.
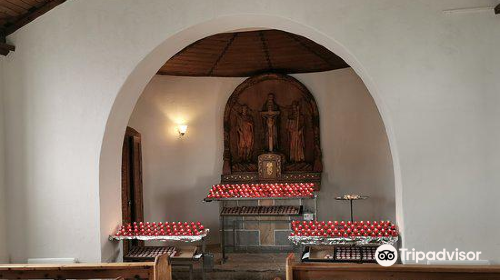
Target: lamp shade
182	128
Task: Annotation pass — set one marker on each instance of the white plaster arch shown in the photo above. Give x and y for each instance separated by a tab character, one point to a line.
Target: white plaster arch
110	156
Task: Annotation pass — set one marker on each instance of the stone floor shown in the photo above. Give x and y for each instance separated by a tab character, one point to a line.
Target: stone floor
240	266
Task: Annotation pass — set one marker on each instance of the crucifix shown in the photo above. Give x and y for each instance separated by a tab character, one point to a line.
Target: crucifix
270	116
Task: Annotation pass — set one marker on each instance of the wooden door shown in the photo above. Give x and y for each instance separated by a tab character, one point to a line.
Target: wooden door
132	200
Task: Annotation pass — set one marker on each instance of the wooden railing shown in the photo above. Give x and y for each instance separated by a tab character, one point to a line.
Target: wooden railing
160	269
334	271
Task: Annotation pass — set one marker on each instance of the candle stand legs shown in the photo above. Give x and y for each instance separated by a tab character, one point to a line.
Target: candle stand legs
352	216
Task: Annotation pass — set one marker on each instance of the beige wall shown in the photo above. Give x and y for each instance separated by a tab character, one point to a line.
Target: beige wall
179	171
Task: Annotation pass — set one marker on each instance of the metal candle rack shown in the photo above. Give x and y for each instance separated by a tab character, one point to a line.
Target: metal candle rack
174	238
365	244
222	216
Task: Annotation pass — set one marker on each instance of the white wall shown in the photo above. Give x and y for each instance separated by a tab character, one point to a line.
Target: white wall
434	77
356	154
3	208
177	172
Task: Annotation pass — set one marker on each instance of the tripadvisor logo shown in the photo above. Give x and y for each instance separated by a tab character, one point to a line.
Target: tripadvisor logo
387	255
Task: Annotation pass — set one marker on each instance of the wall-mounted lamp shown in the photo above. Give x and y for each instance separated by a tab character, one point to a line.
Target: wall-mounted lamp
182	128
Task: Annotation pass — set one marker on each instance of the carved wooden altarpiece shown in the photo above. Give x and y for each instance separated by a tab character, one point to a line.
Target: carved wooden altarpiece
271	132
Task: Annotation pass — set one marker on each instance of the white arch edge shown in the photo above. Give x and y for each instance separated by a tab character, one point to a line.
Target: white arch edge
130	91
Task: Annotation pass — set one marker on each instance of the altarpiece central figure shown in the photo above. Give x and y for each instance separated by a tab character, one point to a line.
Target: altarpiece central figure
270	116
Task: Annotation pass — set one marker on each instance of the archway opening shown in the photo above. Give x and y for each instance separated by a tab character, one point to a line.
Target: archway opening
335	105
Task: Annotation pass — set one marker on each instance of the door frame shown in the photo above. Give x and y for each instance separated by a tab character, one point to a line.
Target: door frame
132	185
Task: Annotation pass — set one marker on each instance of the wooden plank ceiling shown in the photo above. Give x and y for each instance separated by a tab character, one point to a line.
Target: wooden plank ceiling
14	14
243	54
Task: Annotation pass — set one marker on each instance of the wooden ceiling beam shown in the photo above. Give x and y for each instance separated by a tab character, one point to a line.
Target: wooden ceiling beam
265	49
6	48
20	4
8	11
31	15
13	7
222	53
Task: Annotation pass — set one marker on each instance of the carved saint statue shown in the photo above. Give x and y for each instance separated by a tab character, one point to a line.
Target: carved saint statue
270	116
245	129
295	127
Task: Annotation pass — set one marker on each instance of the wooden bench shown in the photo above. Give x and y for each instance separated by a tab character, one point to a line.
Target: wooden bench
160	269
334	271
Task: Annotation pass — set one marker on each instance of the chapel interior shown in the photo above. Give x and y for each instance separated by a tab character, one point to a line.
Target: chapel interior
247	147
221	87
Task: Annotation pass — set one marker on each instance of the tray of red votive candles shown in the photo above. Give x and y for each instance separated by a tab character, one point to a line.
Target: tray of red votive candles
350	233
260	191
173	231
